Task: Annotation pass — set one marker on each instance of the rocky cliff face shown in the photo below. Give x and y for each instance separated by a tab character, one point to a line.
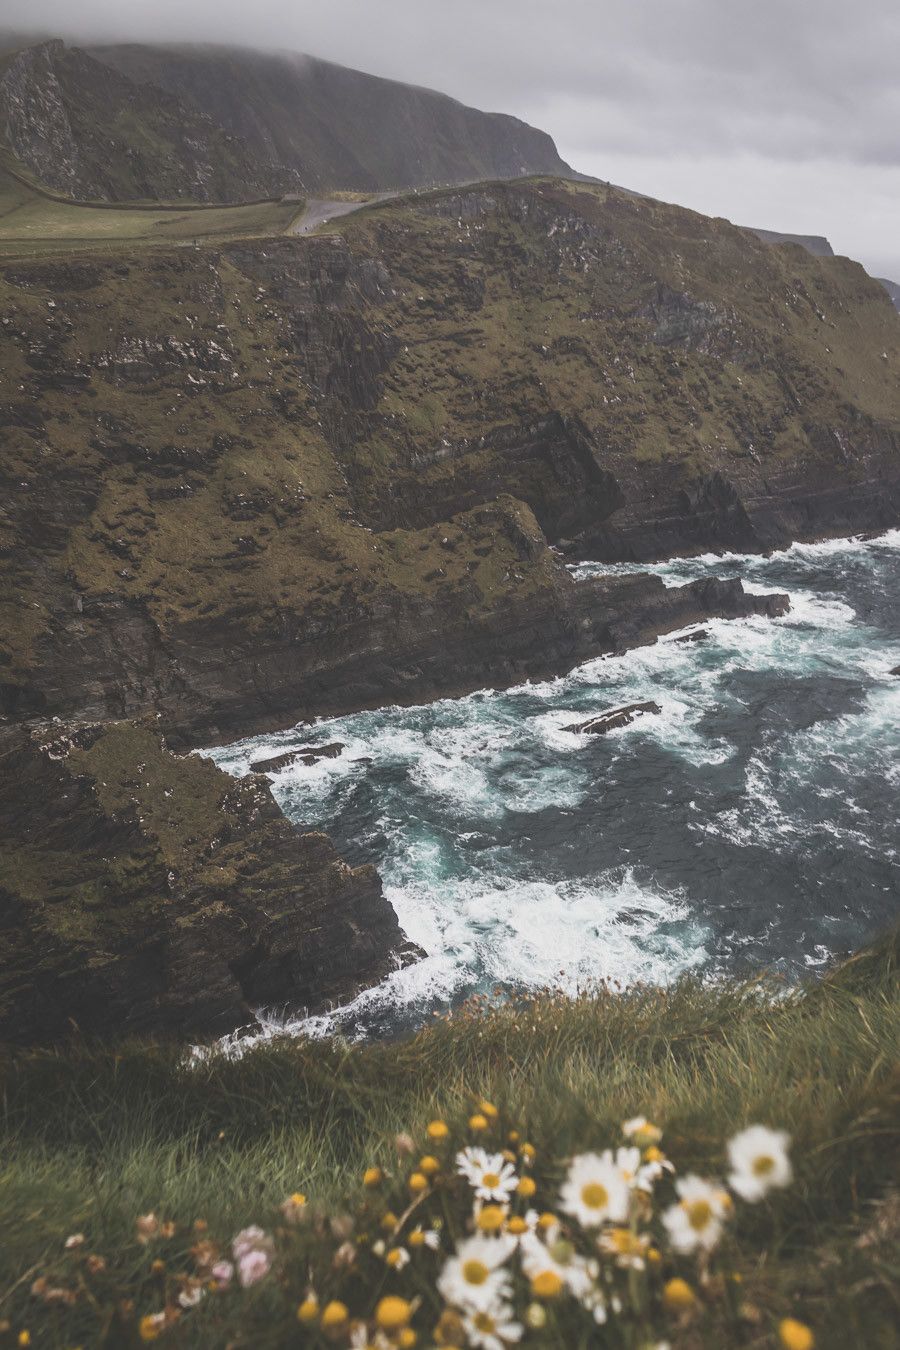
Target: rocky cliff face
221	124
86	130
143	892
250	484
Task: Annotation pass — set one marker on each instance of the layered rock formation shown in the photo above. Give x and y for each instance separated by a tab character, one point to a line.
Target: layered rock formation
142	892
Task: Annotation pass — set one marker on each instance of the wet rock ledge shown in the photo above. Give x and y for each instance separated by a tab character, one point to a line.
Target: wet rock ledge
142	891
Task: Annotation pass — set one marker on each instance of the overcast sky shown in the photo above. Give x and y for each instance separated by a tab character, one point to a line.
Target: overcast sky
779	113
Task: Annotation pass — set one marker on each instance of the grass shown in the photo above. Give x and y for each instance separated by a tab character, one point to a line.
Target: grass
92	1137
34	221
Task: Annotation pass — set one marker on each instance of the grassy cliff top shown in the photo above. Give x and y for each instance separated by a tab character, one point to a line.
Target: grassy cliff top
94	1138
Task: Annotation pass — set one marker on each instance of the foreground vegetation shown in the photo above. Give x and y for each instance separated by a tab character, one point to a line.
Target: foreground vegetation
157	1165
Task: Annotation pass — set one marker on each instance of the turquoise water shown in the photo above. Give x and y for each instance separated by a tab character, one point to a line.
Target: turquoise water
753	822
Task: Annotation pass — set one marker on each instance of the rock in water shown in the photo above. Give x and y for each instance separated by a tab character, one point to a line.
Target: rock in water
304	754
613	718
699	635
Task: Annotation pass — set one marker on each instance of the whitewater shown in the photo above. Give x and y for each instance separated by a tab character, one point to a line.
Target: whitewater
751	824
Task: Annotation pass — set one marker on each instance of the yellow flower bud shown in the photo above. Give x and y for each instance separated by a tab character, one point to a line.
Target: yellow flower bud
527	1187
334	1314
429	1165
308	1310
517	1226
418	1183
795	1335
546	1284
678	1295
488	1109
478	1121
490	1219
393	1313
437	1130
373	1176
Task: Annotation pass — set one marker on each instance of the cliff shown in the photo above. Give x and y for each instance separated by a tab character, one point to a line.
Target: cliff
222	124
142	892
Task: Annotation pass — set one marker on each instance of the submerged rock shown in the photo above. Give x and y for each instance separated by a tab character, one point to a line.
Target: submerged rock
613	718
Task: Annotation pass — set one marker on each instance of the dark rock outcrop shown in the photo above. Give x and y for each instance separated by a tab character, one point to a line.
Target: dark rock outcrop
613	718
304	754
145	892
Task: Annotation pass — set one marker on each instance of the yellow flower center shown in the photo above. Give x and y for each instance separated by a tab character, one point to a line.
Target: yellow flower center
491	1180
594	1195
308	1310
437	1130
527	1187
546	1284
699	1214
795	1335
678	1294
393	1313
475	1272
491	1218
334	1314
484	1322
763	1166
517	1225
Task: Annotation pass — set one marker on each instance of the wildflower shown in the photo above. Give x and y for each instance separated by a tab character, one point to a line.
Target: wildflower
492	1330
404	1144
488	1109
147	1226
294	1208
795	1335
222	1273
95	1265
429	1165
191	1294
407	1338
252	1267
478	1122
372	1177
759	1159
76	1240
334	1315
527	1153
308	1310
536	1316
393	1313
595	1190
628	1161
558	1258
397	1258
547	1284
158	1266
449	1330
344	1256
678	1295
418	1183
151	1327
629	1249
425	1237
526	1187
490	1218
24	1338
389	1221
641	1131
491	1177
205	1255
472	1278
437	1130
517	1225
696	1221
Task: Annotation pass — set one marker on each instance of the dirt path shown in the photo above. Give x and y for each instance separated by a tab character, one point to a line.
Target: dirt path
318	210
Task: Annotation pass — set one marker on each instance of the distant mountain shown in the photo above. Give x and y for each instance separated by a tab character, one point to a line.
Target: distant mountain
223	124
892	288
813	243
820	246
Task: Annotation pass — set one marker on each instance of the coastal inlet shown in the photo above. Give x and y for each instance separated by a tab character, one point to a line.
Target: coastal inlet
745	818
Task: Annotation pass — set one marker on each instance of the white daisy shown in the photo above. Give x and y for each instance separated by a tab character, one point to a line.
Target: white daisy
492	1330
472	1278
425	1237
595	1191
641	1131
759	1157
560	1257
492	1177
628	1161
696	1221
